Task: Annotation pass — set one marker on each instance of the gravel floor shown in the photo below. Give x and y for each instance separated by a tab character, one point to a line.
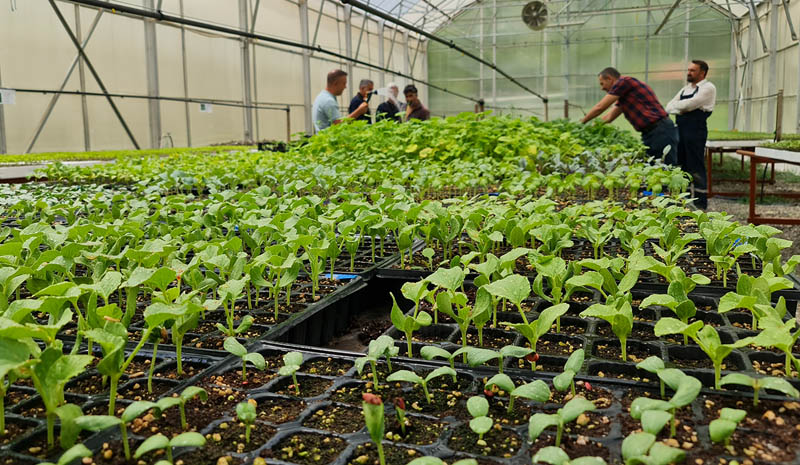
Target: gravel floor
739	209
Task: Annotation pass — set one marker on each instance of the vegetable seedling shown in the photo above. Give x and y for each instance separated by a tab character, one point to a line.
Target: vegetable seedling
477	356
757	384
686	390
98	423
566	414
71	455
372	407
642	448
722	428
159	441
180	401
411	377
246	411
236	348
291	364
432	352
541	325
556	456
400	411
619	316
383	346
481	423
707	339
536	390
655	366
430	460
408	324
566	380
515	289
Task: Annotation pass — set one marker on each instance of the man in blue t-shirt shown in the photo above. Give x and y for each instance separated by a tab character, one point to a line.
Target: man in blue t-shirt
325	112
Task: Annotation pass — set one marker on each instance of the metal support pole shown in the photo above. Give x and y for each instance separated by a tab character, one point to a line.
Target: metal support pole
686	30
82	80
255	71
54	99
779	116
3	142
185	81
494	53
797	99
381	51
348	41
754	17
789	20
614	41
566	109
406	53
244	22
772	80
546	111
306	67
151	60
288	124
667	16
480	51
732	80
94	73
319	19
647	44
748	88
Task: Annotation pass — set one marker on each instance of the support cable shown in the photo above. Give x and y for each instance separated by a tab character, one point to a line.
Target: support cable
375	12
161	16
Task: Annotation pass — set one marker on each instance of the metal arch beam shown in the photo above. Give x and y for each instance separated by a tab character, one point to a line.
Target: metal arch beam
666	17
789	19
94	73
54	99
754	18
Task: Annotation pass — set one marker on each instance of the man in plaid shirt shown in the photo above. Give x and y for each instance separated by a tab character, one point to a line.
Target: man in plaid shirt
642	109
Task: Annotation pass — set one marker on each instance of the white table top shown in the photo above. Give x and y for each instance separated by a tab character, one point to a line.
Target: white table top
735	144
780	155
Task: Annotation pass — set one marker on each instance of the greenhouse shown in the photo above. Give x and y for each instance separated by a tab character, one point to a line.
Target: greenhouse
390	232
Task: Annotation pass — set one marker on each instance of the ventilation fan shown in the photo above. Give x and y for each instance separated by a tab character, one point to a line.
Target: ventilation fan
534	14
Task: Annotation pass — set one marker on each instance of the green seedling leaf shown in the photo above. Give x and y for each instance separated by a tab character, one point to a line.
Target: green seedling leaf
478	406
653	421
502	381
637	445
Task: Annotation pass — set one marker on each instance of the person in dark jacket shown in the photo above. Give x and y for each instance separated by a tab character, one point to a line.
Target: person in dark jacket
364	89
415	108
390	109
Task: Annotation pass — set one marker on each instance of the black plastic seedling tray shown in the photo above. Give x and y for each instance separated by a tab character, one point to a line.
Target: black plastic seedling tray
336	393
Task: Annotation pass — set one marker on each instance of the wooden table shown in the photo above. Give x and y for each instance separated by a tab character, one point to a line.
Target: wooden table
729	146
769	156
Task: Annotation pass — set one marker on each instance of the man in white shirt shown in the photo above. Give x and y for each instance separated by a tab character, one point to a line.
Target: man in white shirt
325	112
692	107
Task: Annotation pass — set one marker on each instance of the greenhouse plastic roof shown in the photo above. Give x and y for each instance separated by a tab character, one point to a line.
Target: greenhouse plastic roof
431	15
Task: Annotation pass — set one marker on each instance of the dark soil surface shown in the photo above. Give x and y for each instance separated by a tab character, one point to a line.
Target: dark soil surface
336	418
497	442
309	387
367	454
307	449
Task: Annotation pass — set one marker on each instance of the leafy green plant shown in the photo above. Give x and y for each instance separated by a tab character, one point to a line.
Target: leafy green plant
372	407
236	348
159	441
536	390
382	346
98	423
246	412
477	356
430	460
291	365
722	428
432	352
400	412
566	414
69	456
515	289
642	448
686	390
654	365
556	456
50	375
707	339
541	325
411	377
566	379
408	323
757	384
180	401
557	273
481	423
14	358
464	313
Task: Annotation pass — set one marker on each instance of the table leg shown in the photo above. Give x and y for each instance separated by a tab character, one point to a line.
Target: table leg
709	182
752	215
772	179
742	162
